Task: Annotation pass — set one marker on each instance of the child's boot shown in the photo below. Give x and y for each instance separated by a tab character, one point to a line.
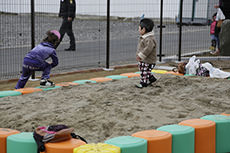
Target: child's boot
141	85
213	46
152	79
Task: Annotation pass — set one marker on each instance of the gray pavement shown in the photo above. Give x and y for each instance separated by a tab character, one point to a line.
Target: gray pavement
92	53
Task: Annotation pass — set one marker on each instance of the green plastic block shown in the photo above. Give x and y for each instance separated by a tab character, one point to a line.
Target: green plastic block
129	144
21	143
189	75
49	88
183	138
9	93
84	81
116	77
222	132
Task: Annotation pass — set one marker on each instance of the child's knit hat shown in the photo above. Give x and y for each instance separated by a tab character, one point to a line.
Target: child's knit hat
56	33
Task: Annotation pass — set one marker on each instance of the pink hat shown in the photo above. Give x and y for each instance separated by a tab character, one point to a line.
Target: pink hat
56	33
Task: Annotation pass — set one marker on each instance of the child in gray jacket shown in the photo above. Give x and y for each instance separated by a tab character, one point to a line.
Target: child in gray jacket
146	53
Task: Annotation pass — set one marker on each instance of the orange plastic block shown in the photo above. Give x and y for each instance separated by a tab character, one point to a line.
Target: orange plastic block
174	73
158	141
225	114
130	75
101	79
205	134
63	146
4	133
28	90
65	84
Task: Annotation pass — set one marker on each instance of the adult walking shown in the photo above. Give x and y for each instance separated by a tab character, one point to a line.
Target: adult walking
223	13
67	12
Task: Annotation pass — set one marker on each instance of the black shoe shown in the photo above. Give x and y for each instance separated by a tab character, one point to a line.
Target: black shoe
140	86
71	49
152	79
46	83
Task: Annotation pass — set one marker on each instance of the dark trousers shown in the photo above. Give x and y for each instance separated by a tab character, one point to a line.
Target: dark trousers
66	27
27	72
146	74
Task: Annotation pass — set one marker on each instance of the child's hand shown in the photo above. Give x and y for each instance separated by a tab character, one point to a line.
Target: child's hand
70	19
138	58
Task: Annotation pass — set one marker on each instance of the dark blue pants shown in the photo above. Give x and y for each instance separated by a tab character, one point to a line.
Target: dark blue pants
66	27
27	72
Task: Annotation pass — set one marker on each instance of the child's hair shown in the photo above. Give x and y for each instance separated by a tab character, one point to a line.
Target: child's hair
52	37
181	67
220	3
148	24
214	15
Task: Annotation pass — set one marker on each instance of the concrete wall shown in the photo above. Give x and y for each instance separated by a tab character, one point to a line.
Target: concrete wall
203	8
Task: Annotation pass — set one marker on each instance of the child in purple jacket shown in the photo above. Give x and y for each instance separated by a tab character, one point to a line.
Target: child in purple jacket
35	60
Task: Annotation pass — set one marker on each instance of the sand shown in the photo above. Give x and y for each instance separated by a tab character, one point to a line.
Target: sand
102	111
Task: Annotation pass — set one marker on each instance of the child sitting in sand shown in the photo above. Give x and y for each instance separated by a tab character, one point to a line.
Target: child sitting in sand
35	60
146	52
195	67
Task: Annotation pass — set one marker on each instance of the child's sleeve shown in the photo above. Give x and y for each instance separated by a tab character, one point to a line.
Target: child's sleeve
54	59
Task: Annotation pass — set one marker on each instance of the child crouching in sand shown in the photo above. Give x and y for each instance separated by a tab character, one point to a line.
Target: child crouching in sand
35	60
146	53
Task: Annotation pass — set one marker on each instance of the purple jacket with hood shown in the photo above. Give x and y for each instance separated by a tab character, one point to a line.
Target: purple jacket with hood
38	55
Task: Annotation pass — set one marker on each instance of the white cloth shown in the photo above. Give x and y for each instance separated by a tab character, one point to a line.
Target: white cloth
194	63
220	15
192	66
215	72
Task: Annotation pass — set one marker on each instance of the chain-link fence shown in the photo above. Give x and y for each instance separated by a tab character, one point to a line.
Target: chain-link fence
90	28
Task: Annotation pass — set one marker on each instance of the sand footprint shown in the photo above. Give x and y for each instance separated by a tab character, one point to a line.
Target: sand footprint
167	106
188	106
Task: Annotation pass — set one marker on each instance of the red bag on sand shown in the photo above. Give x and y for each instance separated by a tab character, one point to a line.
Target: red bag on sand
62	135
54	133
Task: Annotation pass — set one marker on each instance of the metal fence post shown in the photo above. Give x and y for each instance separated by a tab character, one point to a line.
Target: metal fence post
108	35
32	31
161	22
180	33
193	9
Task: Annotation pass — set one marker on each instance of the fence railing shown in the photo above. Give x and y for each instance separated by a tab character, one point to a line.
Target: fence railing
106	32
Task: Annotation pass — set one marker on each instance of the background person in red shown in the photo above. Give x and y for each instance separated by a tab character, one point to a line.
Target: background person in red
214	39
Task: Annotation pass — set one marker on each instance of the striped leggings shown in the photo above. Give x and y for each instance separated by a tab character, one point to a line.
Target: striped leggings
145	70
